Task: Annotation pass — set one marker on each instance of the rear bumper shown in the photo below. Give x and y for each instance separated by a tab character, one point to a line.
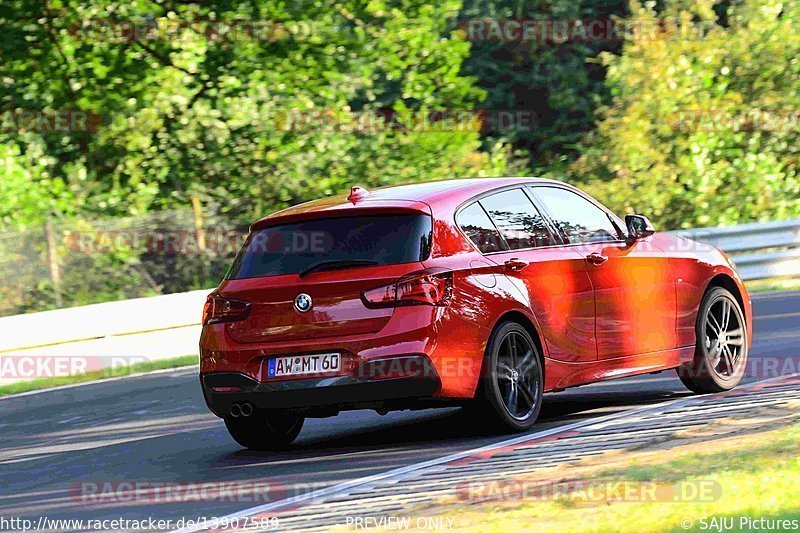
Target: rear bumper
454	346
357	390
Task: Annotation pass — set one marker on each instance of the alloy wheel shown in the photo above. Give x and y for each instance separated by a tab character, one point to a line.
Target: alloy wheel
518	375
724	338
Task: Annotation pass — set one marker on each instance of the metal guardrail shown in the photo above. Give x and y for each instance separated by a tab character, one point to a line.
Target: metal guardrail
760	250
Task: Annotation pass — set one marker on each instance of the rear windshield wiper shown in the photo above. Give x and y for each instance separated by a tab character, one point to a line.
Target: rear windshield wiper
333	265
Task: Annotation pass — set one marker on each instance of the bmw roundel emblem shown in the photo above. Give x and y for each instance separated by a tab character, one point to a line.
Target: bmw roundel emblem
303	302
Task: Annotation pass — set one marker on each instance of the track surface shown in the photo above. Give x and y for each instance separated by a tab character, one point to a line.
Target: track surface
156	429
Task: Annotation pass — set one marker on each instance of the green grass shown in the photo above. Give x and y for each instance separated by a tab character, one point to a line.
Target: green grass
756	476
46	383
775	284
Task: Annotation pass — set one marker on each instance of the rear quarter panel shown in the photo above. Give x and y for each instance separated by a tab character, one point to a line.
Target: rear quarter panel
695	266
482	295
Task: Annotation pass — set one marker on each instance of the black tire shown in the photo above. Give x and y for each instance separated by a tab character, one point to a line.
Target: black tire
721	351
504	370
265	430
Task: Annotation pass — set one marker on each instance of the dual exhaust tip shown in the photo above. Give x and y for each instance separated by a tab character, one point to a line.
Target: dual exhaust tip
241	409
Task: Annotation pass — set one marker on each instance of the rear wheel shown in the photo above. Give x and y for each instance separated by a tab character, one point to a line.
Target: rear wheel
721	352
513	383
265	430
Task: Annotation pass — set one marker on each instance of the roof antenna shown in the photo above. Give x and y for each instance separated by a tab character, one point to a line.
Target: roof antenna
357	193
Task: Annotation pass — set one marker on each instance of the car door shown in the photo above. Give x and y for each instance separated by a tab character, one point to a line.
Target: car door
633	284
552	277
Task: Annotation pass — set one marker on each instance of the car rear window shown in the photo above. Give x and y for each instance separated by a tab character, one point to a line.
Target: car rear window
296	247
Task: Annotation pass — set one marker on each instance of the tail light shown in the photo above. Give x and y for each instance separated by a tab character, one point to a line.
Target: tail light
426	287
219	309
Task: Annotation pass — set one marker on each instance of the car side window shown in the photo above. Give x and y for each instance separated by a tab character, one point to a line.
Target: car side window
580	220
518	220
475	223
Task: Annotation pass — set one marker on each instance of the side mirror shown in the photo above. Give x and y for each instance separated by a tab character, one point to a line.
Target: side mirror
639	227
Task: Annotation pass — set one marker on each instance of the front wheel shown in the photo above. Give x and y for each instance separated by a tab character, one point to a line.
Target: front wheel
263	430
721	352
513	381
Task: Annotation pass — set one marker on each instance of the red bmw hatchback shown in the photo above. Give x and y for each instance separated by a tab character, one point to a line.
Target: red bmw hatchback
480	292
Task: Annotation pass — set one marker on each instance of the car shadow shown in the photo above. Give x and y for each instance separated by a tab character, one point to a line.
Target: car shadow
453	428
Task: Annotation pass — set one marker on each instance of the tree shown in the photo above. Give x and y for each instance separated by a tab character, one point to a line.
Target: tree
28	193
553	77
703	127
250	104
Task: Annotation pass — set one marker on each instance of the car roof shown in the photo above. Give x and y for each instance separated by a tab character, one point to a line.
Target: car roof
431	191
412	196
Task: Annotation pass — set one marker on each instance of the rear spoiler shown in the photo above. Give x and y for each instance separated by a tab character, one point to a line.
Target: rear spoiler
344	209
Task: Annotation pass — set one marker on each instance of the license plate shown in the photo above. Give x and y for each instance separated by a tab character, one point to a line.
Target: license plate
300	365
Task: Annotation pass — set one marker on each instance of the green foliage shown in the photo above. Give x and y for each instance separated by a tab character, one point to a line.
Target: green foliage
558	81
703	128
28	193
191	110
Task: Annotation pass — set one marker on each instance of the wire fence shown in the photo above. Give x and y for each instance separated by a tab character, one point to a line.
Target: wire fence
64	263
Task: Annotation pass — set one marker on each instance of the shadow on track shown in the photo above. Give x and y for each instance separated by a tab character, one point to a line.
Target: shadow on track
441	428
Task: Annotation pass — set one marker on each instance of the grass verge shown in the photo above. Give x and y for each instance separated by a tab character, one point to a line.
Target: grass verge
94	375
725	487
775	284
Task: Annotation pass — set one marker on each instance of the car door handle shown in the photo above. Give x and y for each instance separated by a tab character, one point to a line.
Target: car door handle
596	258
515	264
